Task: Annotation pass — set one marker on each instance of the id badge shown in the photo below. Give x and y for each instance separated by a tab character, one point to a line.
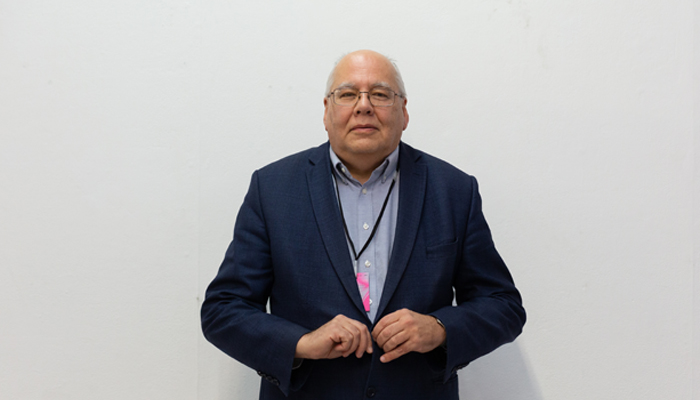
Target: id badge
363	284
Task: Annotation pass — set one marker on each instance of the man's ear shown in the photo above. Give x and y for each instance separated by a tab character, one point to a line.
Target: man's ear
405	114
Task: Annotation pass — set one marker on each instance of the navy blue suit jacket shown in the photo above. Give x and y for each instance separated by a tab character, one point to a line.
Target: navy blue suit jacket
289	247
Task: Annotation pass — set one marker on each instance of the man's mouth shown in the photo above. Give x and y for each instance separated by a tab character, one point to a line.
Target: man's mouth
364	128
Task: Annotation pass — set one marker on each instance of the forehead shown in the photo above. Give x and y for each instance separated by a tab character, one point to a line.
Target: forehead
367	70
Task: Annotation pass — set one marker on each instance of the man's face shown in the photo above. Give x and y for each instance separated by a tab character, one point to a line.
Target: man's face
364	132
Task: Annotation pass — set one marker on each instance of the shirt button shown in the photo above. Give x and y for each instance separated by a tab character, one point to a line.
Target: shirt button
371	392
365	226
364	191
367	264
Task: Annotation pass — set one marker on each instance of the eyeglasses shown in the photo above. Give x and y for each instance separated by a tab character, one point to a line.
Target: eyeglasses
378	96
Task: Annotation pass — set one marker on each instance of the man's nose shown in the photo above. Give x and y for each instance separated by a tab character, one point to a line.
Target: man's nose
363	105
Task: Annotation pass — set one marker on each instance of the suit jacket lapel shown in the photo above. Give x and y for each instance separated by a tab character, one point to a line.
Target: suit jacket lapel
411	195
325	205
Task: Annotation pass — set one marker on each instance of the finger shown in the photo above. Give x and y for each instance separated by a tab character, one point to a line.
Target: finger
378	328
383	324
389	332
395	341
362	344
370	346
395	353
365	345
362	339
336	351
357	329
350	340
342	338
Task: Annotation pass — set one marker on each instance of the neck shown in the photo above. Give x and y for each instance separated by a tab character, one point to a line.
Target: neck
362	174
361	168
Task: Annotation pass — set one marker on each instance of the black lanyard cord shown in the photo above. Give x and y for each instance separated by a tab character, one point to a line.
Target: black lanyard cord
376	224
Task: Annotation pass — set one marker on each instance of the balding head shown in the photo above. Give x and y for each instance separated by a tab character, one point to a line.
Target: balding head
398	80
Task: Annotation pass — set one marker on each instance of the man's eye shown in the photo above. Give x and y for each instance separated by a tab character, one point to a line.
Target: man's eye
347	95
380	95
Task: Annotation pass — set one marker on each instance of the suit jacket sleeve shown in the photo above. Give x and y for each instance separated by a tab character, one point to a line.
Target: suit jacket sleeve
489	308
234	316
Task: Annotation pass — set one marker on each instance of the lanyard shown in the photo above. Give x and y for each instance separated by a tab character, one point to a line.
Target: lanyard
376	224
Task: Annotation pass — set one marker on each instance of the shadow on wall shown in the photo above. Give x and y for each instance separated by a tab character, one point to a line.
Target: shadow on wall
503	374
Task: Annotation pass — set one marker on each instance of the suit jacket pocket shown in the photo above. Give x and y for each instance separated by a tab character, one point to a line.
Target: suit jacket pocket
444	249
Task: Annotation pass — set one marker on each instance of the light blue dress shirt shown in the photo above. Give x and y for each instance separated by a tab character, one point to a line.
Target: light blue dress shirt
361	207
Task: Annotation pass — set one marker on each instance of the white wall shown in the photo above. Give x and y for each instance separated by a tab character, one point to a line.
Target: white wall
129	130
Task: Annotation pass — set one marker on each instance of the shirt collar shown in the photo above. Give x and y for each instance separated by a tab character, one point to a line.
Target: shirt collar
385	171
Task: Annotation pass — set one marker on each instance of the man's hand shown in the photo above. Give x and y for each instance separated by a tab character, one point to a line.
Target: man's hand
404	331
340	336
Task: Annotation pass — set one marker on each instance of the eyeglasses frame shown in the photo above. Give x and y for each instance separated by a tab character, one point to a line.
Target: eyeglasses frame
332	94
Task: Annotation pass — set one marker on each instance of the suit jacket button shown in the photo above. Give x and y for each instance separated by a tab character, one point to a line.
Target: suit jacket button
371	392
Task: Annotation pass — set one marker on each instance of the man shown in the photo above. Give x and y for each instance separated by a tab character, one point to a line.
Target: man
360	246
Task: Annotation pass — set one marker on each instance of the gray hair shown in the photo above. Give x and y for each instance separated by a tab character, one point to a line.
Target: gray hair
397	76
